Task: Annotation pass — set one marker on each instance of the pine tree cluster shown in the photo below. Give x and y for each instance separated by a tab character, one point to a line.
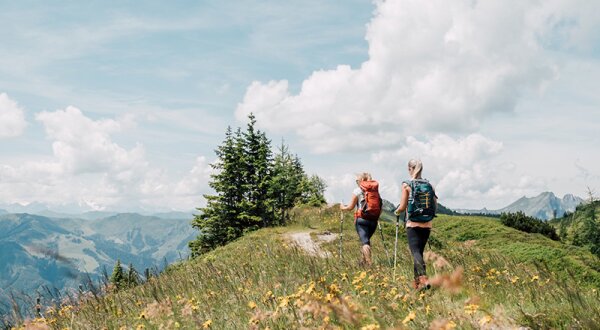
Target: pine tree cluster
528	224
253	188
121	280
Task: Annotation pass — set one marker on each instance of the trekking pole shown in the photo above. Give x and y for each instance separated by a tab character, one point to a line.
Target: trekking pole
396	245
387	252
341	228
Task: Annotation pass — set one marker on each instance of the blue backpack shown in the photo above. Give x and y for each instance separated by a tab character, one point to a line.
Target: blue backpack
421	202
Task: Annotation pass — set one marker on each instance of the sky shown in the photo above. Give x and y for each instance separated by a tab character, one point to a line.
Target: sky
120	105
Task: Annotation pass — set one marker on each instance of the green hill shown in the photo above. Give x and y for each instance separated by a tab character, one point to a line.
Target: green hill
486	276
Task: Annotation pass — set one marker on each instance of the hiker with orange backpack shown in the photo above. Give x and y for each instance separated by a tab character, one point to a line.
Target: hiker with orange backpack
366	200
420	202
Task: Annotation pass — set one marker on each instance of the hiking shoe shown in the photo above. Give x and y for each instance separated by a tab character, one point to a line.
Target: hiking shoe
423	283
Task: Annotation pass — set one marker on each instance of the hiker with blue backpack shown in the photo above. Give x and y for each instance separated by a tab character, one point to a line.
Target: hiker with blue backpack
420	202
367	204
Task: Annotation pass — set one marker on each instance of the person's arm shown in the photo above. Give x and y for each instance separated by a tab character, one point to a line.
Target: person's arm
350	206
403	199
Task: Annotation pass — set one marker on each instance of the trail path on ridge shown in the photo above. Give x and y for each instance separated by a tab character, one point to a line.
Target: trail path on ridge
305	242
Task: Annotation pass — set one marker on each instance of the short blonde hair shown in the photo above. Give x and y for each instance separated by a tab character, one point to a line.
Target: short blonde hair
415	167
364	176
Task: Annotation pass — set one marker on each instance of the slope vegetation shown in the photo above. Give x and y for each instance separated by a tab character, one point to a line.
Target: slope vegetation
485	275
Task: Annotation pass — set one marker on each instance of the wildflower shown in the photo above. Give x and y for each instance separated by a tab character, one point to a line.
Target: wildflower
310	289
370	327
411	316
140	327
514	279
206	324
334	289
427	309
535	278
329	297
177	325
268	296
470	309
284	302
359	278
251	305
373	308
142	316
485	320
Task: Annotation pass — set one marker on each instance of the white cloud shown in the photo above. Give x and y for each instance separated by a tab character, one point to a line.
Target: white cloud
82	145
89	168
433	67
464	171
12	118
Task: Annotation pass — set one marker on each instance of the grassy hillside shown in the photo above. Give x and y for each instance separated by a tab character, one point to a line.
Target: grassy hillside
486	276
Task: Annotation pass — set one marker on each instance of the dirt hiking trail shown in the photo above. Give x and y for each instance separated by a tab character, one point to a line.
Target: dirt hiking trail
305	242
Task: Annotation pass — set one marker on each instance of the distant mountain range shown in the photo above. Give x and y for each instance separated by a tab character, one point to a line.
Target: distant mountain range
59	252
545	206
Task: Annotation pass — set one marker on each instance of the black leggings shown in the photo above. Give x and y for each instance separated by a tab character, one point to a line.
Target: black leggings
417	238
365	229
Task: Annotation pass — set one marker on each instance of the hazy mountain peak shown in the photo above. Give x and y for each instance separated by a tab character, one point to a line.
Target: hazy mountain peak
544	206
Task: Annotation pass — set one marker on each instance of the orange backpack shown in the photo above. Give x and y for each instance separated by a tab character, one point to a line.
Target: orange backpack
370	206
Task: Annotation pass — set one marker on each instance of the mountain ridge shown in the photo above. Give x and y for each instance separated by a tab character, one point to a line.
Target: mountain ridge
39	251
544	206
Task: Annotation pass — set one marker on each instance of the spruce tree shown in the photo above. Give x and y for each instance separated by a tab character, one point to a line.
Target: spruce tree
133	277
285	185
313	189
118	278
220	222
257	157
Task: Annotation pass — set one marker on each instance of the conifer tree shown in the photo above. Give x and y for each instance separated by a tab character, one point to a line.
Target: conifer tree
118	278
220	221
133	277
251	187
313	189
285	185
257	158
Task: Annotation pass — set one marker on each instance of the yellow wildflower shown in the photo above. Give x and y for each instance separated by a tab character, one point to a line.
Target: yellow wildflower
535	278
251	305
207	324
471	308
514	279
370	327
284	302
334	289
411	316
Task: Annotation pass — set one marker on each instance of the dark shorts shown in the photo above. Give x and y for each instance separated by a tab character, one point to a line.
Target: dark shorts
365	229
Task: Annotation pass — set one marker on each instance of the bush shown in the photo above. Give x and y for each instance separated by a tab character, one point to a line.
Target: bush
528	224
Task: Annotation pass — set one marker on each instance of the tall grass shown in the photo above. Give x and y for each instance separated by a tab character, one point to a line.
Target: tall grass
264	281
